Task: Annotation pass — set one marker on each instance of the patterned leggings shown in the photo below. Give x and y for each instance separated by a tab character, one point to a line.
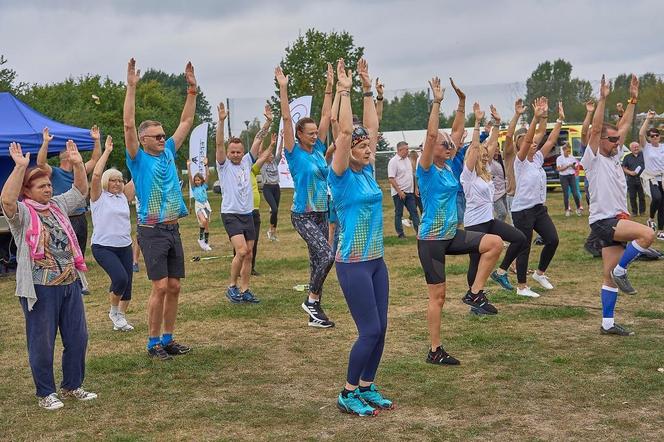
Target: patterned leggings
313	229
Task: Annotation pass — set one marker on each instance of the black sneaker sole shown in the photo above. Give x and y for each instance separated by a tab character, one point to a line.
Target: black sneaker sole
315	324
449	364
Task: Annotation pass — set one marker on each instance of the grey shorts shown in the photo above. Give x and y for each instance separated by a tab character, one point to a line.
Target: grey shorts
162	250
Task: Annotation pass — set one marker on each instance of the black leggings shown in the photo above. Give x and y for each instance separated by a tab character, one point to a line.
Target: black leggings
536	218
508	233
568	182
313	228
80	226
256	216
272	194
657	203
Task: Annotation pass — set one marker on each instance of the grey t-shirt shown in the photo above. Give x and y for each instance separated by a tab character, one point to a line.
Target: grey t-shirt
270	171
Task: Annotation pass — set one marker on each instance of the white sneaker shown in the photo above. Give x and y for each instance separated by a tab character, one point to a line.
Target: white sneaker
406	222
119	322
51	402
579	211
542	280
269	235
201	244
207	247
651	223
660	235
527	292
122	319
79	394
567	213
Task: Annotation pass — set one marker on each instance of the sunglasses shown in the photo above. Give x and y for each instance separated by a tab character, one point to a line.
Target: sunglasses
611	139
447	145
653	135
159	137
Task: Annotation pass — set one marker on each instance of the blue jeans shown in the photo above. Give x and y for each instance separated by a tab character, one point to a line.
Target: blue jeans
57	307
411	205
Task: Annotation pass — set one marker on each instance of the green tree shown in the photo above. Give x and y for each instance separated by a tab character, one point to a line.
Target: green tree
410	112
305	63
178	83
8	79
554	81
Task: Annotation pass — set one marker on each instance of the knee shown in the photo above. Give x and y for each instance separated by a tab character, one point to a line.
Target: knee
173	286
493	244
120	283
159	288
553	242
648	237
373	333
242	252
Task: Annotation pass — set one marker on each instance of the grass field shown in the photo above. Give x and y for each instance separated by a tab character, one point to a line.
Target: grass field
538	371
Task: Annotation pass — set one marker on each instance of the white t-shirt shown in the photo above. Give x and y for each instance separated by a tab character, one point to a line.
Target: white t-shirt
401	169
110	220
530	183
479	198
607	184
498	177
653	158
235	180
566	161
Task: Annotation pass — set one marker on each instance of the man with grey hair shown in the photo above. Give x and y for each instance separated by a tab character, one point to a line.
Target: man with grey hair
402	188
633	165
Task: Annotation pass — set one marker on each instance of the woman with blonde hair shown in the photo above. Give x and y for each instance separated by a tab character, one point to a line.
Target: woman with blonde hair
111	234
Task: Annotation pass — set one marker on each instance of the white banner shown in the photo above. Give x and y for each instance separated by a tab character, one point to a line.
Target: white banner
299	108
198	150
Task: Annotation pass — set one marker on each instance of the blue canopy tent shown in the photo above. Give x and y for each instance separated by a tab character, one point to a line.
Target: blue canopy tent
22	124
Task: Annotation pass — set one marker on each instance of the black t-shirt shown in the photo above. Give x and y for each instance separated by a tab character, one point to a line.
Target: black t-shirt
631	162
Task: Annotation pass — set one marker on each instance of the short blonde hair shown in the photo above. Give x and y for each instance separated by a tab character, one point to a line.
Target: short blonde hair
107	175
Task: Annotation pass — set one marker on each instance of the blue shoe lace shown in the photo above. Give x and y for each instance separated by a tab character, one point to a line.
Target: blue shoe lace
373	397
249	297
353	403
502	280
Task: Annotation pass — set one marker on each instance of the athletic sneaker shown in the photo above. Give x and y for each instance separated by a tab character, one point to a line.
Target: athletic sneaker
568	213
201	244
441	357
119	322
158	352
406	222
233	294
542	280
174	349
354	404
254	273
479	302
375	399
318	323
134	267
618	330
249	298
269	235
527	292
652	224
579	211
79	394
207	247
318	318
502	280
51	402
660	235
623	283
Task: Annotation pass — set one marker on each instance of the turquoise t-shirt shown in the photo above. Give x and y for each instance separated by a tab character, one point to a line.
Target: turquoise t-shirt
438	191
157	185
200	193
358	201
309	172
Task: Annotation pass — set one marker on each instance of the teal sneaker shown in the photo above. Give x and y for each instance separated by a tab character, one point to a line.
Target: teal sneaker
375	399
502	280
354	404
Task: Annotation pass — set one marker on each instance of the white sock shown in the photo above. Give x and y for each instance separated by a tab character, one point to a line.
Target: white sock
619	271
115	309
607	323
312	300
500	271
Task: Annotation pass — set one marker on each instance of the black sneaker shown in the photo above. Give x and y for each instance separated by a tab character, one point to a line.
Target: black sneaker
314	310
158	352
623	283
326	323
173	348
254	273
479	302
617	329
441	357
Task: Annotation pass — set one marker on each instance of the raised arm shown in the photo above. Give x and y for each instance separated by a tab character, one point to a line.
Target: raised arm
190	174
369	117
585	134
289	137
96	151
380	89
344	85
220	149
42	155
12	188
474	149
519	109
98	171
625	123
643	131
262	157
526	141
324	124
598	118
434	120
130	191
540	132
262	133
492	143
129	110
555	132
80	175
189	110
334	116
460	115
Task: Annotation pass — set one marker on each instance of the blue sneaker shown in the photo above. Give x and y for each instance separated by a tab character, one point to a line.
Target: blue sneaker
249	297
354	404
375	399
234	295
502	280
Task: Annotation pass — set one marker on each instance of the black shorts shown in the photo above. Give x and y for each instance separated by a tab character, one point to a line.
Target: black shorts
236	224
432	253
162	250
604	230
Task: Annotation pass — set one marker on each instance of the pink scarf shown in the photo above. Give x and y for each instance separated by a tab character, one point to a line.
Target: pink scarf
32	235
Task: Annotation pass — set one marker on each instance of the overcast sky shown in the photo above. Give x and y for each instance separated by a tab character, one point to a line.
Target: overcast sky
235	45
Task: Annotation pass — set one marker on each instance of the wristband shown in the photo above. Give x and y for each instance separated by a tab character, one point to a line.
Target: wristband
379	98
344	93
437	102
368	94
632	101
559	121
328	93
192	91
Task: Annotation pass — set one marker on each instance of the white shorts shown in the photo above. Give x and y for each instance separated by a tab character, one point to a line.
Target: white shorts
203	208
